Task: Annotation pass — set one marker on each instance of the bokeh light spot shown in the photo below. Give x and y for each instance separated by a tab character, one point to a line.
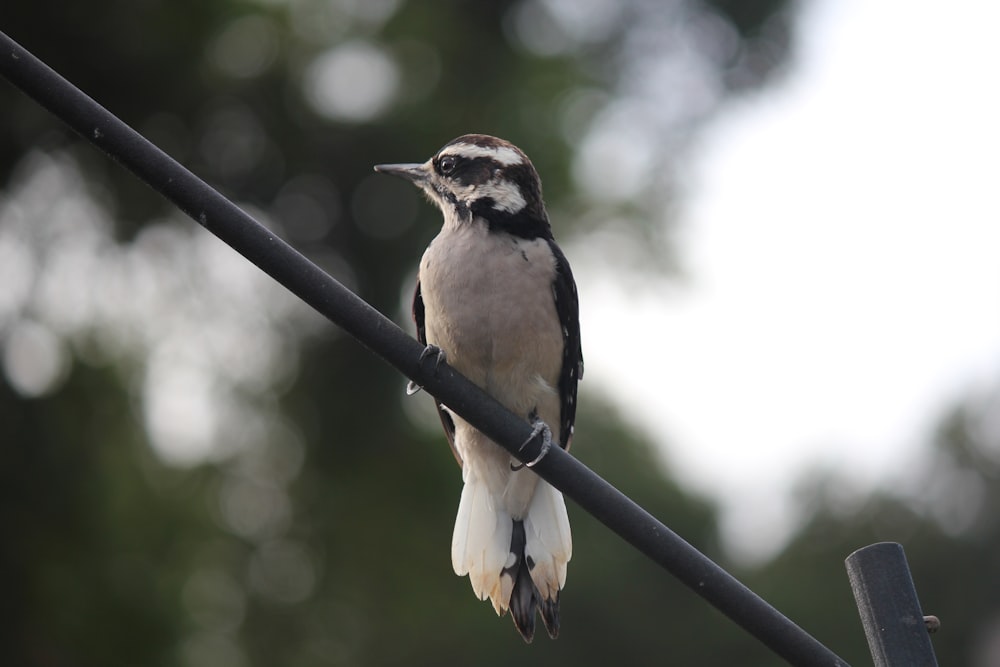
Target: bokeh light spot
35	361
179	402
354	82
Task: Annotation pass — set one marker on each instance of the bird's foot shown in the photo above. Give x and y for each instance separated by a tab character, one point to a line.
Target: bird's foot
538	428
439	358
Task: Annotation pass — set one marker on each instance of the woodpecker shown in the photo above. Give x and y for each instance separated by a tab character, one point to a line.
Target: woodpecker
495	296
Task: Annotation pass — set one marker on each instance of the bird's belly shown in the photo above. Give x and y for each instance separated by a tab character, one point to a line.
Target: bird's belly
494	315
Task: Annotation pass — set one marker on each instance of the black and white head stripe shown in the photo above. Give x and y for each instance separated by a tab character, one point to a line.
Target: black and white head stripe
494	180
505	195
504	154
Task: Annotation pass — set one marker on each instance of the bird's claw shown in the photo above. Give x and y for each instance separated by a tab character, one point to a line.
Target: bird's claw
439	358
538	427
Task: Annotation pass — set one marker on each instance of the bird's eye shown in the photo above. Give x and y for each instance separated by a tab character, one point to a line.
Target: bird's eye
446	165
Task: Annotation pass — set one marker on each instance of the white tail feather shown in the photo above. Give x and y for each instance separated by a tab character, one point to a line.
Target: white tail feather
549	543
481	542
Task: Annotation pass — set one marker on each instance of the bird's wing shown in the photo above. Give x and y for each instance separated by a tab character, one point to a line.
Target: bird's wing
568	309
446	421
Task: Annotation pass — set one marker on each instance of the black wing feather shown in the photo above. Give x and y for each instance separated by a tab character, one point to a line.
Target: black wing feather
418	314
418	320
568	309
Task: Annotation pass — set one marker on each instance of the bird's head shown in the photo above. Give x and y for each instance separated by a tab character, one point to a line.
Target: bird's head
477	176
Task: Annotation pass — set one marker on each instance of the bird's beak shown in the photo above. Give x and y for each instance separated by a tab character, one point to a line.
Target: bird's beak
415	173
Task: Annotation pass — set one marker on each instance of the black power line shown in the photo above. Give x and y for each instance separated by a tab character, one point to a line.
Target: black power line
344	308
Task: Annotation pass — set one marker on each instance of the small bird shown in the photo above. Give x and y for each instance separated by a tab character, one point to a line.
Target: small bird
495	296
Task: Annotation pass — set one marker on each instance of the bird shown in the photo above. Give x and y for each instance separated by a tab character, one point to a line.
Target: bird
495	298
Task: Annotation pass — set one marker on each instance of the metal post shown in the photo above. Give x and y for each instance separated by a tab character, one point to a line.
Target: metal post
890	612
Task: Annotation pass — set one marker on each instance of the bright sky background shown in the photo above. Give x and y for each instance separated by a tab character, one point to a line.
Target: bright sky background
842	240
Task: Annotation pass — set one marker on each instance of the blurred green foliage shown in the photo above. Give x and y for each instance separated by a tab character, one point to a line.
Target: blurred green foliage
318	534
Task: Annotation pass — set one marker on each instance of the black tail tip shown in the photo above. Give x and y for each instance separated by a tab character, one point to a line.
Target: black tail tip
524	618
524	597
525	626
522	603
550	615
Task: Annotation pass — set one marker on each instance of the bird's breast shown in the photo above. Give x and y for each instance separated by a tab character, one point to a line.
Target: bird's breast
489	304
